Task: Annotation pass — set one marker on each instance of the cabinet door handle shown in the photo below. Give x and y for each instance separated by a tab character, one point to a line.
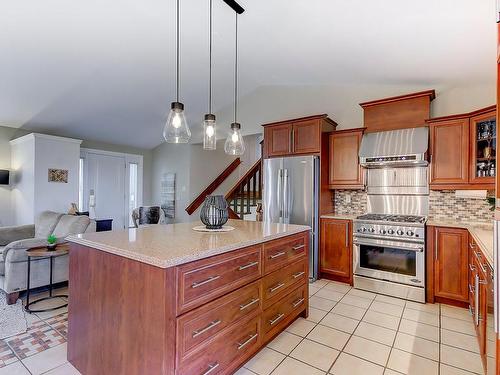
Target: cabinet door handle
211	368
471	290
298	247
247	341
346	234
213	324
472	268
277	255
252	264
276	319
435	246
298	302
247	305
276	287
298	274
200	283
471	245
292	140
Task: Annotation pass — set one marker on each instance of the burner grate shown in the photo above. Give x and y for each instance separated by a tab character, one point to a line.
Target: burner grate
393	218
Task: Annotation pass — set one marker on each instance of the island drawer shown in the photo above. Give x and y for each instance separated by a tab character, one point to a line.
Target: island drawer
204	280
276	317
236	345
279	253
198	326
281	282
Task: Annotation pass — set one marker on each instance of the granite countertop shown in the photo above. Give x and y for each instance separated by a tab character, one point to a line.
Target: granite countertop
339	216
481	232
174	244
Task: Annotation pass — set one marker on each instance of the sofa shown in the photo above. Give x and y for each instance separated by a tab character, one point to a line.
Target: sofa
16	240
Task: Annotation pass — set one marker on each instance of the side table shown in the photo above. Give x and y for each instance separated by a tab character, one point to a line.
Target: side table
42	252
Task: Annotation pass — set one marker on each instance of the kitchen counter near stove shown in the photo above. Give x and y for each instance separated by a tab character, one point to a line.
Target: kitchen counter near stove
481	232
334	215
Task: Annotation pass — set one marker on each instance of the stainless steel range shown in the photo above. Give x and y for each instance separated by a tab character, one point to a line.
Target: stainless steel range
389	241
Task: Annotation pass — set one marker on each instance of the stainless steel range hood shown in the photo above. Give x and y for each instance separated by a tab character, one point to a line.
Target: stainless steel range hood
404	147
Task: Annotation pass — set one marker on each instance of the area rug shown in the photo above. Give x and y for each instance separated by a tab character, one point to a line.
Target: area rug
12	318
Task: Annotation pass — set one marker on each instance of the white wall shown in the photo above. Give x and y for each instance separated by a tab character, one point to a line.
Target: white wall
196	168
6	135
23	181
31	158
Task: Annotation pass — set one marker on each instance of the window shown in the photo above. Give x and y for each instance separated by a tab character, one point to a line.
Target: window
80	186
133	191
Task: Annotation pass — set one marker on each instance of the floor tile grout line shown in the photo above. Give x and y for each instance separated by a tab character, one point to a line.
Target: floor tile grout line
394	341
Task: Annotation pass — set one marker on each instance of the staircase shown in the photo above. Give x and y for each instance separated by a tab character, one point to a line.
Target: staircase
246	194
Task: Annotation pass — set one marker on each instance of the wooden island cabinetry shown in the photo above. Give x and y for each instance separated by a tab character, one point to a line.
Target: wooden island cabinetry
335	251
208	315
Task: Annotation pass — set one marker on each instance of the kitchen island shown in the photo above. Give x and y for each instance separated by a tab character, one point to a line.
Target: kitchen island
165	299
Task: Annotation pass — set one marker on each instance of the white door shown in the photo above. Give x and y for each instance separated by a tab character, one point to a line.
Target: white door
106	179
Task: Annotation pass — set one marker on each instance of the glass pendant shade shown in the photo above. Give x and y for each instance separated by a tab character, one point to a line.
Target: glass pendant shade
176	129
209	133
234	143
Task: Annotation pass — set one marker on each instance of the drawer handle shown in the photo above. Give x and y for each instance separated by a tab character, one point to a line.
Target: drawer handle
277	255
275	288
298	274
298	247
253	264
252	302
200	283
241	345
211	368
207	328
471	267
472	246
276	319
298	302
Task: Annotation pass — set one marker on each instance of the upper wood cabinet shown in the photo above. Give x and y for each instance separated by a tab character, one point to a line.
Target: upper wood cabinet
449	151
345	170
451	263
336	249
463	150
296	137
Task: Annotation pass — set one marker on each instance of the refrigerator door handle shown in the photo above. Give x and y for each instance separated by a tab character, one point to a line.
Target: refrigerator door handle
279	192
286	211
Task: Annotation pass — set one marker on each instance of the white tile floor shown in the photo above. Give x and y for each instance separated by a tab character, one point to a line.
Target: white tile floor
353	332
348	332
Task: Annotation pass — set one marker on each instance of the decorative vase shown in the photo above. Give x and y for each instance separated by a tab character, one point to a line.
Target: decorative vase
214	212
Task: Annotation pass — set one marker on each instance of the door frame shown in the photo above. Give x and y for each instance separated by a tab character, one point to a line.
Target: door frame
127	160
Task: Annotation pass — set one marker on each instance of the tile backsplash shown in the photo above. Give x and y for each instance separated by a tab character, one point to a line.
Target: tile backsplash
357	206
444	205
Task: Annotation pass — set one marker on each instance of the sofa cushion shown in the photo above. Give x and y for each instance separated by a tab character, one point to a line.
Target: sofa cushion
45	223
70	224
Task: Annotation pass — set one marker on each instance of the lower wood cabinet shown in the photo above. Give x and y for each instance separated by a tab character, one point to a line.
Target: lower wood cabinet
336	249
450	263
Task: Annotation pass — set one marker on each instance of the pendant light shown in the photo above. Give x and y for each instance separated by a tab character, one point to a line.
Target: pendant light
209	123
176	129
234	143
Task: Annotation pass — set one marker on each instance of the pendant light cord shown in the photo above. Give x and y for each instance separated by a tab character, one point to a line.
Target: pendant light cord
177	67
236	70
210	62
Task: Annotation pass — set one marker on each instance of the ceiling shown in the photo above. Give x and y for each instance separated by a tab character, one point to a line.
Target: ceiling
104	70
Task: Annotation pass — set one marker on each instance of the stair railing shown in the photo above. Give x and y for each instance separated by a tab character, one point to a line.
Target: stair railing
246	192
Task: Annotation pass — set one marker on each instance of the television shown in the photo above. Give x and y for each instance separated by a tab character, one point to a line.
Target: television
4	177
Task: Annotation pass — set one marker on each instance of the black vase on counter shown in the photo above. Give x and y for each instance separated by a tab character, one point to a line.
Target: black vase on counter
214	212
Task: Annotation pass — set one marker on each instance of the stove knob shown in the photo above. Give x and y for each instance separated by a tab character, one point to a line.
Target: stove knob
390	231
400	232
359	229
371	230
363	229
382	231
410	233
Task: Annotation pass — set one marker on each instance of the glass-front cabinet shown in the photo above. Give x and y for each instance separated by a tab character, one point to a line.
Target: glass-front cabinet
483	148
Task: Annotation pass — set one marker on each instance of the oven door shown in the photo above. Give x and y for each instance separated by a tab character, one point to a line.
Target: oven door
396	261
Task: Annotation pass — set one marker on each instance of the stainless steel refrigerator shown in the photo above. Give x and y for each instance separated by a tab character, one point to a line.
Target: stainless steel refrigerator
291	196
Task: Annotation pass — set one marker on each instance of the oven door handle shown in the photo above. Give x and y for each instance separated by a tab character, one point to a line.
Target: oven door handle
416	249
